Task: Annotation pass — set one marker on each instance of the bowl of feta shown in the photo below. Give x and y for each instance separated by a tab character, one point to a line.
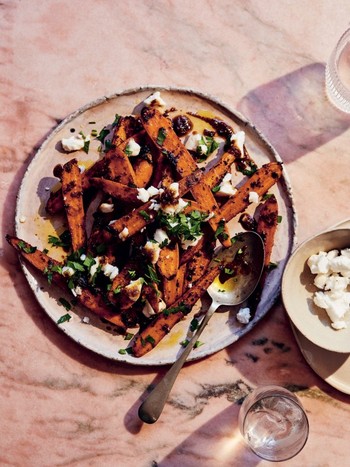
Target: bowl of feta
316	289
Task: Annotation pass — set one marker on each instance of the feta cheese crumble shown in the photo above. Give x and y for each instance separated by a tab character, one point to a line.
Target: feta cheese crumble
74	143
155	99
152	251
226	187
132	149
253	197
124	234
332	277
161	236
106	208
195	142
238	139
133	290
243	315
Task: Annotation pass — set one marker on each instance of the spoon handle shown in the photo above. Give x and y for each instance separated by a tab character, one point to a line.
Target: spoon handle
153	405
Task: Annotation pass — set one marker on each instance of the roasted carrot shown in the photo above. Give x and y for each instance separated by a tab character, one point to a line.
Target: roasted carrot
149	337
143	167
40	260
159	129
118	190
260	182
267	225
49	267
73	203
133	222
168	262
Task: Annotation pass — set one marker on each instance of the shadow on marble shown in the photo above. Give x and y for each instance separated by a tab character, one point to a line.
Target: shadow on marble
218	441
293	112
269	354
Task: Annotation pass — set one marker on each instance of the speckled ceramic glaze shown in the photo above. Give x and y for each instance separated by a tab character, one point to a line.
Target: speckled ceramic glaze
101	338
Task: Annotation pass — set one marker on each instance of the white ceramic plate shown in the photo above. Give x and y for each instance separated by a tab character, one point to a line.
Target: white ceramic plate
34	191
333	367
298	290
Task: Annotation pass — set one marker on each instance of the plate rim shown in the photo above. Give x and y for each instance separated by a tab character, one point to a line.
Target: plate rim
242	121
292	316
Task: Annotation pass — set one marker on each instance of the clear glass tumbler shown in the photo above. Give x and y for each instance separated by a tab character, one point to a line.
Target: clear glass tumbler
273	423
338	74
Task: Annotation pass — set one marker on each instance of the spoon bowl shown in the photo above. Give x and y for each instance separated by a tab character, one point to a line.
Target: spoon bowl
242	266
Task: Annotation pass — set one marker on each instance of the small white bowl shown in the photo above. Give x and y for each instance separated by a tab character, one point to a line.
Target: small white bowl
298	289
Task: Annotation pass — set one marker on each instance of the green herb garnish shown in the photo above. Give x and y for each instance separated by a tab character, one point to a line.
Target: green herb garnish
145	215
64	240
26	247
64	318
62	301
102	135
161	136
220	231
194	324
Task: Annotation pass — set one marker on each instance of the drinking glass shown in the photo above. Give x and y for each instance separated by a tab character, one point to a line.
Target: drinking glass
273	423
338	74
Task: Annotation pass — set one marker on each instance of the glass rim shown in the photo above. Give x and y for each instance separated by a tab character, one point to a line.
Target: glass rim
332	65
288	395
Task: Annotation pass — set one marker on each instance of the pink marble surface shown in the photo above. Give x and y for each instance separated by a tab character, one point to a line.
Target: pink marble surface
63	405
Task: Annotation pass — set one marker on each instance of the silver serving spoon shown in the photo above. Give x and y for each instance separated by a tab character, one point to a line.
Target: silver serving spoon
248	253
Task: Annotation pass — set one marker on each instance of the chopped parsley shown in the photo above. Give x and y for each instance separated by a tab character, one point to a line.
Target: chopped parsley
194	324
50	270
128	336
206	146
63	240
272	266
220	231
229	271
116	120
108	145
150	275
145	215
150	339
128	151
132	274
103	134
183	226
175	309
251	170
64	318
26	247
117	290
161	136
128	351
185	342
65	303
